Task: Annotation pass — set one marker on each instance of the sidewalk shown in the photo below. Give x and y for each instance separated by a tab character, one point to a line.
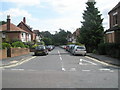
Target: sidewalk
105	58
14	60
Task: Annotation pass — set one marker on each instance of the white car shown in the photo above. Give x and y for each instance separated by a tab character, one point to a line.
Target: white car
79	50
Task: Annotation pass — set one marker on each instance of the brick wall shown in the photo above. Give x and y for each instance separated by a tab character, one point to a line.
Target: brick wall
12	52
13	36
111	17
3	54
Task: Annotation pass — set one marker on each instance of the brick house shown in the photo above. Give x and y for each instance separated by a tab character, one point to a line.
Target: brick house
112	35
38	37
31	36
73	37
10	32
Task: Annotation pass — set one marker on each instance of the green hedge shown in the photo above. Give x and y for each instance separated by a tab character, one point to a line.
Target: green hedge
18	44
111	49
5	45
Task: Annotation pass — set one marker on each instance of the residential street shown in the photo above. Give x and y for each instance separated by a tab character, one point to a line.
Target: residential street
59	69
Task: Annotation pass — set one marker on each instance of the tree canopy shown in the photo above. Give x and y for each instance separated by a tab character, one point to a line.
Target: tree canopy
91	33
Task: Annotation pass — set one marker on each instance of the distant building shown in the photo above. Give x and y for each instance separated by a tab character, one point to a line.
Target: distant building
38	36
112	35
73	37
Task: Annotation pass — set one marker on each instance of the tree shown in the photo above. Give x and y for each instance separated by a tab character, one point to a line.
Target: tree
47	41
2	22
91	33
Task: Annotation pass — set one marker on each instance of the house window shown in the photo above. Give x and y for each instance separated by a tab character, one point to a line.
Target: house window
115	19
22	34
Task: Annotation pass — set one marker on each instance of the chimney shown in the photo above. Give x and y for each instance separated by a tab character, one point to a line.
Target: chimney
8	22
24	20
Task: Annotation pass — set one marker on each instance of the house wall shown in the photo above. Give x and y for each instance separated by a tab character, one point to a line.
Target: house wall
111	14
110	37
27	30
23	37
13	36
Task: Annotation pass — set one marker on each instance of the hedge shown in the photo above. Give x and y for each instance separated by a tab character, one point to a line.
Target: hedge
5	45
111	49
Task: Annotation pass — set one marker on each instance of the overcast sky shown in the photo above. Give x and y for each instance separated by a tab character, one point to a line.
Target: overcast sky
50	15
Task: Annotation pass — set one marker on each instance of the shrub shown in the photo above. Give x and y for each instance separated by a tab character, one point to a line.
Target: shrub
5	45
101	49
111	49
18	44
34	46
26	46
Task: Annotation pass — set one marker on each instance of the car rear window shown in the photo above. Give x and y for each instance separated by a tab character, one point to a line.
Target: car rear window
80	47
40	47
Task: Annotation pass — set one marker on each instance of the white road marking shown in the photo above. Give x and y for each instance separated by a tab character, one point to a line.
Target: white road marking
85	70
17	69
60	58
97	60
63	69
104	69
19	63
73	69
13	62
81	60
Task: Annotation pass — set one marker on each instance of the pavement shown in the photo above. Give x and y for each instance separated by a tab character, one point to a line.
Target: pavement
14	60
105	58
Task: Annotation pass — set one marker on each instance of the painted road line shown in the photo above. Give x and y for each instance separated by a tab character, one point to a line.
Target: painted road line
89	62
19	63
81	60
63	69
13	62
17	69
86	70
98	61
106	69
73	69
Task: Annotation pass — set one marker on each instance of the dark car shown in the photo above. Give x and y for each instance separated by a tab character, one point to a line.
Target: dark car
41	50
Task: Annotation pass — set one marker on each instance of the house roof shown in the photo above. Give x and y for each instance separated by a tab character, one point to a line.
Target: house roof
116	28
117	6
12	28
28	27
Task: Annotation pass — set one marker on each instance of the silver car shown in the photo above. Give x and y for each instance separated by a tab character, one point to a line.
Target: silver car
79	50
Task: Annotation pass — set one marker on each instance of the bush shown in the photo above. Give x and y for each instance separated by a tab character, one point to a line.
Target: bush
18	44
101	49
34	46
77	43
111	49
5	45
26	46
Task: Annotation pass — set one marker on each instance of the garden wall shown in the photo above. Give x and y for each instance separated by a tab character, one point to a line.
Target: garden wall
12	52
3	54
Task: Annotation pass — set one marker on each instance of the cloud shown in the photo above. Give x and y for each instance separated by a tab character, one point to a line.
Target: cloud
23	2
15	12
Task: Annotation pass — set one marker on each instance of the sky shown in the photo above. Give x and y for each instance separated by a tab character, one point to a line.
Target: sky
50	15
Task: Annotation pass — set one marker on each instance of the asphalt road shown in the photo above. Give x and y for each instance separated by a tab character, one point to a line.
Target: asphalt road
60	69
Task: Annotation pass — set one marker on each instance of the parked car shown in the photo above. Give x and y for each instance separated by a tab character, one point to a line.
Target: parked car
70	47
79	50
50	47
41	50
